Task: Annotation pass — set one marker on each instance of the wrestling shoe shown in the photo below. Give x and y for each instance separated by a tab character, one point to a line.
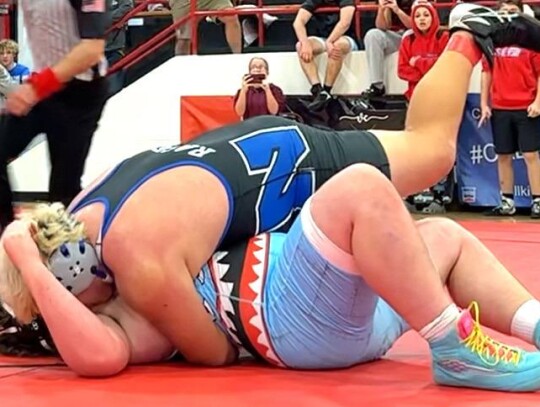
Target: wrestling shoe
492	29
536	336
467	357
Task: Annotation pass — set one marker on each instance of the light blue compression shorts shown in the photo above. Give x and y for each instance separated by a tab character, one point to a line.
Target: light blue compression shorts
319	313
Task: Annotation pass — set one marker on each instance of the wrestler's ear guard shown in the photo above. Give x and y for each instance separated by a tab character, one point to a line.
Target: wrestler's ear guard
75	265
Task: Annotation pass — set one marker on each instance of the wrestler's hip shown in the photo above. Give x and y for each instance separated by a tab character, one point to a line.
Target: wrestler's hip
318	316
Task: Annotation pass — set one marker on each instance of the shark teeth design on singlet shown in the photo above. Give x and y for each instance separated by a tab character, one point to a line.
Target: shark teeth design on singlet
224	303
253	277
200	276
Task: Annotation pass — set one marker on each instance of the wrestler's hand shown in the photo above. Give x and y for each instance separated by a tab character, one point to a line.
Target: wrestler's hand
21	100
18	241
533	110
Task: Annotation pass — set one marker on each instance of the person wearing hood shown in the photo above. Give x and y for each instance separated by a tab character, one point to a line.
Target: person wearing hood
418	52
421	46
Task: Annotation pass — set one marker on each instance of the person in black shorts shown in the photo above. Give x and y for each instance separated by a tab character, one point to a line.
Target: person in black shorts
143	230
510	96
333	34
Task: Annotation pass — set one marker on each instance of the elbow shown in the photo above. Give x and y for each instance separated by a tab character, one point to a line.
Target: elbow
101	365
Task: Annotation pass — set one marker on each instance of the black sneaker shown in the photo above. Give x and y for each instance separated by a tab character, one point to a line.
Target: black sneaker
506	208
373	92
492	29
321	100
535	209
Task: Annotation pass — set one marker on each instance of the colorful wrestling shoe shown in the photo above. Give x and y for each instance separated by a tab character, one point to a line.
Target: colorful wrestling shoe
467	357
536	336
492	29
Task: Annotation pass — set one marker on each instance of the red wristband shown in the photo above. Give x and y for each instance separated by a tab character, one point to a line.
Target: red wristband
45	83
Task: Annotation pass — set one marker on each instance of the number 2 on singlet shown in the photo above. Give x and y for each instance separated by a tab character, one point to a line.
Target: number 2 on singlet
276	154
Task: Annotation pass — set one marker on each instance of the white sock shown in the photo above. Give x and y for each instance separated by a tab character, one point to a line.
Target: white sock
525	320
439	326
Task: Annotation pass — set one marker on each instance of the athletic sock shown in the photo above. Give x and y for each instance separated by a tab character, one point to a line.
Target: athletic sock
328	88
525	321
465	45
437	328
508	196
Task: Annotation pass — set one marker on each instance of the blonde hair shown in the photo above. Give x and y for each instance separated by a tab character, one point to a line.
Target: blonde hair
52	226
11	46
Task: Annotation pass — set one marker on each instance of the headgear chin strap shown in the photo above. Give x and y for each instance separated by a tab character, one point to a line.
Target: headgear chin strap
76	265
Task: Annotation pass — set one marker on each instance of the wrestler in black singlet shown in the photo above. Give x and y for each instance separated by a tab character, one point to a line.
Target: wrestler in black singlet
269	166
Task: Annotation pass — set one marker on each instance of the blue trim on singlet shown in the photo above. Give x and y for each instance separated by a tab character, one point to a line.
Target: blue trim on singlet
109	217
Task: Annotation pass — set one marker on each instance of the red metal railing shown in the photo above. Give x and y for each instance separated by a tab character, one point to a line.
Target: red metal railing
195	16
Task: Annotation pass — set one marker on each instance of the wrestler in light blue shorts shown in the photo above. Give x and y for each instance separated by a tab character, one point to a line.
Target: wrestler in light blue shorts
320	314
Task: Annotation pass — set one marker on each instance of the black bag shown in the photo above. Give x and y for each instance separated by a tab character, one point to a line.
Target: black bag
356	116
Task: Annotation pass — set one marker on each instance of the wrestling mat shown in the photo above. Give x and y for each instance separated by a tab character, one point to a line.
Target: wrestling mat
403	378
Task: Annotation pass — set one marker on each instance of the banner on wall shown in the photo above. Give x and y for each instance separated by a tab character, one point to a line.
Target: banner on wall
204	113
476	167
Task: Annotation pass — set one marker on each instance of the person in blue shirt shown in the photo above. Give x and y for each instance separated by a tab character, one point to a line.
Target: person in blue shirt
9	50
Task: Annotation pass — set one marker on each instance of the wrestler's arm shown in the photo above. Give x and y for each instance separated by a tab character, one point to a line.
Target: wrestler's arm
90	345
171	303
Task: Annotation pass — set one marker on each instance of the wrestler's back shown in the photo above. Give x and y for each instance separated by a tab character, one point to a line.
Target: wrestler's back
223	187
157	199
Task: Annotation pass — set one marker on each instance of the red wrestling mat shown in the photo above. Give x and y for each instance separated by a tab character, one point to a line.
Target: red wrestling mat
403	379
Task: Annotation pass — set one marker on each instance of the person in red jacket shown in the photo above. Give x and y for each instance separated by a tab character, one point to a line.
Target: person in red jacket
510	97
421	46
418	52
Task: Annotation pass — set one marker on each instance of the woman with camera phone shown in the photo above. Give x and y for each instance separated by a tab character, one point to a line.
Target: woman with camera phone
257	96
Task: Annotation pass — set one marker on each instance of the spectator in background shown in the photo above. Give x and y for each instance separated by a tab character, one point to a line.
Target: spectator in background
419	50
511	89
115	47
334	35
9	50
116	40
257	96
421	46
393	18
180	9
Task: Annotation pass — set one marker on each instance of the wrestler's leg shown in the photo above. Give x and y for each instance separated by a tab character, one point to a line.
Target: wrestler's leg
368	221
425	151
472	273
381	235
